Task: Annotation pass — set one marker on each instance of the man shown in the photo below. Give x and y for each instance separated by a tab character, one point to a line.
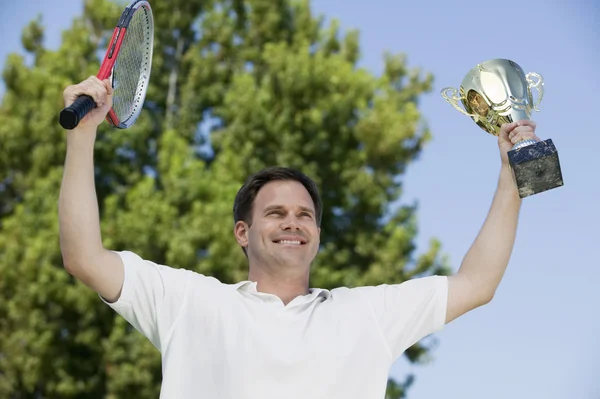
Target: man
272	336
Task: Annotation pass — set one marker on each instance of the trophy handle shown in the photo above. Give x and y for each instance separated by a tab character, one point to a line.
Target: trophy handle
453	96
537	84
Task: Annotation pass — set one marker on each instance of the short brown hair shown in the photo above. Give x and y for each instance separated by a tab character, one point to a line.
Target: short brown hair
244	200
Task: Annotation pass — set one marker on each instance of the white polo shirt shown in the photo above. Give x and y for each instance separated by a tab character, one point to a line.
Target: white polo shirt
228	341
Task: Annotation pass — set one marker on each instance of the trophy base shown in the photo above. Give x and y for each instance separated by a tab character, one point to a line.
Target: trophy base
536	168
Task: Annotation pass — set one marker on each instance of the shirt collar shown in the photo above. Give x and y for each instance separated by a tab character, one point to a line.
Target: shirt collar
250	286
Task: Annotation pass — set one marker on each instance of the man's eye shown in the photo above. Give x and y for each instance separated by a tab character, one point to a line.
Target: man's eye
306	214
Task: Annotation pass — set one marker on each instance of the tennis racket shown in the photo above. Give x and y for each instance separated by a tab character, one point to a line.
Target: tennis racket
127	63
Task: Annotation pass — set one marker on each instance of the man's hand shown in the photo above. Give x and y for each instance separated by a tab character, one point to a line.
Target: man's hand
100	91
512	133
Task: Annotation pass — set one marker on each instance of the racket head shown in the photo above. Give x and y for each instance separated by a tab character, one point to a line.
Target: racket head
128	63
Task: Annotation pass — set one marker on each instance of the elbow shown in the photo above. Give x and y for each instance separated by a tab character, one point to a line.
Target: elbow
77	258
70	266
487	300
77	270
487	296
484	291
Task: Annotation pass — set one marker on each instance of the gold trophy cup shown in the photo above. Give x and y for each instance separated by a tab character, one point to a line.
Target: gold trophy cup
495	92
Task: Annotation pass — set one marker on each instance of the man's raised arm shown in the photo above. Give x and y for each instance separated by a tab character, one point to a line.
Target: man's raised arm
83	254
484	265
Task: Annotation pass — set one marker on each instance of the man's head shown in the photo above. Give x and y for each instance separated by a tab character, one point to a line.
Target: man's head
277	215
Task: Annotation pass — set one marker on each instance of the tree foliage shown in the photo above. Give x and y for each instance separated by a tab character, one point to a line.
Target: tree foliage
237	85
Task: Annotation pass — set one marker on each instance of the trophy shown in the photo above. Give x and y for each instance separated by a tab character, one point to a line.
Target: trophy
497	92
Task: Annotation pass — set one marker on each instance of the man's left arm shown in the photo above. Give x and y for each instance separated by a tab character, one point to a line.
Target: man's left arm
483	267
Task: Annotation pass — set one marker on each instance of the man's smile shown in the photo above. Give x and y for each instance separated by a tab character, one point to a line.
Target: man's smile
292	240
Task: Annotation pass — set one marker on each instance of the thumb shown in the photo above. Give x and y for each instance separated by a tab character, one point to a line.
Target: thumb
105	108
109	91
505	130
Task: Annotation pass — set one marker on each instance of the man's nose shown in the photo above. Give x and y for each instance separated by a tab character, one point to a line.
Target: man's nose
290	223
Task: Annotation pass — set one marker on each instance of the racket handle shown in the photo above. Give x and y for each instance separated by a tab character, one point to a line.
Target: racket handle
74	113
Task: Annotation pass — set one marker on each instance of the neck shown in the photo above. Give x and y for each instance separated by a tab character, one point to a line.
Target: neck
286	286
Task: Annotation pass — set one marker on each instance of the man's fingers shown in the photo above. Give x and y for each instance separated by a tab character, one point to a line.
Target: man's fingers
92	87
507	128
522	133
98	90
526	122
108	86
518	131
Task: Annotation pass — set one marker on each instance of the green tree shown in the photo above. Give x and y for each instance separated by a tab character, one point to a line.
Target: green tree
237	85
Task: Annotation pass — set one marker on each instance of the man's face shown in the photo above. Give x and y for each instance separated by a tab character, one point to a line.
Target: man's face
284	230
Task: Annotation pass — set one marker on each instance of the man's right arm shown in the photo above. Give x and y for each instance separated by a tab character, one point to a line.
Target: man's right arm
83	253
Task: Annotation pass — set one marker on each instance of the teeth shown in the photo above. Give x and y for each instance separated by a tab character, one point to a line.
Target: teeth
289	242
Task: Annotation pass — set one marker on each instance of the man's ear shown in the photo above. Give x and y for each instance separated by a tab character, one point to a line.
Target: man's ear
240	231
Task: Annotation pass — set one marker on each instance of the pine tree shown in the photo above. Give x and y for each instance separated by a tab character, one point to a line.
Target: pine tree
236	86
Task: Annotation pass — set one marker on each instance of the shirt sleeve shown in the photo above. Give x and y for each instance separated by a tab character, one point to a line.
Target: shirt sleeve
409	311
151	297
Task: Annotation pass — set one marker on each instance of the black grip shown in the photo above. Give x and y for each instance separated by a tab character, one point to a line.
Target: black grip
74	113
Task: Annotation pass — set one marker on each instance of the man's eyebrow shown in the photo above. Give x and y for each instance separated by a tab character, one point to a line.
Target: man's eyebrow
279	207
272	207
307	209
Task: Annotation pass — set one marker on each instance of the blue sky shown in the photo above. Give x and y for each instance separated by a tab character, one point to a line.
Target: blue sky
537	339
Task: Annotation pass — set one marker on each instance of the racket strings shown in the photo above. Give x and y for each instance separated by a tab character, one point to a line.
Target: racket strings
132	68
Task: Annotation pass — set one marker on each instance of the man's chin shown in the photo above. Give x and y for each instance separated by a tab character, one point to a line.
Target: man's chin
291	259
